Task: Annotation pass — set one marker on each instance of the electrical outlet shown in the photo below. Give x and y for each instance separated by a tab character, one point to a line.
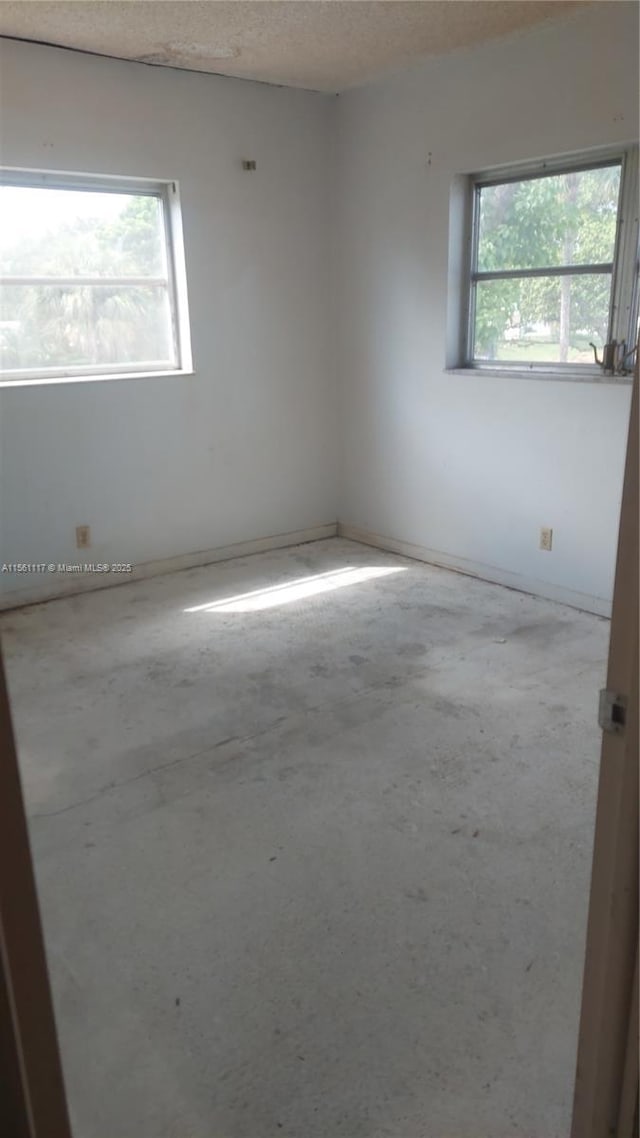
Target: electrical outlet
546	539
83	537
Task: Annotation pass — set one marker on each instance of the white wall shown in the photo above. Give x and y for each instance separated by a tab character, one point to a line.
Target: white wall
470	468
244	448
306	272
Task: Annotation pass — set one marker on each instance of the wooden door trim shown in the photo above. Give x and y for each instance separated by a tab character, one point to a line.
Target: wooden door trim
608	1016
34	1103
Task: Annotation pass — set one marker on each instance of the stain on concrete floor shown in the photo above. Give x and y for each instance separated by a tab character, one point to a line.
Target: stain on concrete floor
316	870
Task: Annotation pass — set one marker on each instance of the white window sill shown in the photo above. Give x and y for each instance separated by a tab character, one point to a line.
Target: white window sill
560	376
40	381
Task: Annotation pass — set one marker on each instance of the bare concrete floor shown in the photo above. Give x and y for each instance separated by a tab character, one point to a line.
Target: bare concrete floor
318	869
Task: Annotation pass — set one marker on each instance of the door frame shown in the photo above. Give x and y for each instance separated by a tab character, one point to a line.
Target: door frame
32	1095
606	1085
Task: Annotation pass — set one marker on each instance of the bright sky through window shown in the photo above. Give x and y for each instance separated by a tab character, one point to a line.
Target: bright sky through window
88	285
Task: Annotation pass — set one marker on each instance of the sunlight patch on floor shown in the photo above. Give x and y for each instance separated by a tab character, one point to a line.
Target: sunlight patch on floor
299	589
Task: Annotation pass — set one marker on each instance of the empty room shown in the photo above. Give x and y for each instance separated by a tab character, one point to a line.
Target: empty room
318	332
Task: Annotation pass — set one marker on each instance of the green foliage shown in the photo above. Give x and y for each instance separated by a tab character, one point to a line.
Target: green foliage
134	237
71	325
566	219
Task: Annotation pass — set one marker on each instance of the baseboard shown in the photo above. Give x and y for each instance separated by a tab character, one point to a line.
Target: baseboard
583	601
49	591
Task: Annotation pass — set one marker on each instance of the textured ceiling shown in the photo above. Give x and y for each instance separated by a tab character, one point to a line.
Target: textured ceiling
324	45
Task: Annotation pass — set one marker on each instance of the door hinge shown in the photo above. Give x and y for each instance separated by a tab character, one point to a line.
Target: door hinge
612	713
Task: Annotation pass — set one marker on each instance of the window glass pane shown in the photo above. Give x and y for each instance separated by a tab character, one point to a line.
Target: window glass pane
542	319
564	219
46	232
43	326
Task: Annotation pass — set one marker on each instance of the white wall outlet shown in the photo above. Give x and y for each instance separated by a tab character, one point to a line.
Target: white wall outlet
83	537
546	539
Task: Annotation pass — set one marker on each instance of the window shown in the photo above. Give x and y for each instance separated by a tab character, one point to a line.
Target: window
554	260
91	280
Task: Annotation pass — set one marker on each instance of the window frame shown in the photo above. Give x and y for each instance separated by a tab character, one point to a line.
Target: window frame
625	290
167	192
